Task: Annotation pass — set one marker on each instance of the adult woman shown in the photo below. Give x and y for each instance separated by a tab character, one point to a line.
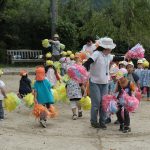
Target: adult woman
98	64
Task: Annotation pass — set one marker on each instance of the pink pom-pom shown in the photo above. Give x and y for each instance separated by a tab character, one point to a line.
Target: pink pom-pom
109	103
132	103
138	94
78	73
137	52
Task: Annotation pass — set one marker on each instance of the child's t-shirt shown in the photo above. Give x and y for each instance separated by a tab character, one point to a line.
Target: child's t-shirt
2	85
44	94
51	76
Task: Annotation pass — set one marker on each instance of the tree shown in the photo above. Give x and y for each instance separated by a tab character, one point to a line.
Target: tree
53	16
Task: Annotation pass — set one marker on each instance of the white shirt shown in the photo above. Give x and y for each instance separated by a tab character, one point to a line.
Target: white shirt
89	49
2	85
99	69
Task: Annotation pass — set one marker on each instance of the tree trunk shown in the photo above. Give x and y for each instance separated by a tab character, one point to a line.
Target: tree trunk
53	16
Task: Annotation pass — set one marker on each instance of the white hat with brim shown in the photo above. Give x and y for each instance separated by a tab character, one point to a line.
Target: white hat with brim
56	36
130	63
140	61
106	43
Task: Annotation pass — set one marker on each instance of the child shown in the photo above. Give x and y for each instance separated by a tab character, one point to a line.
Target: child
25	84
122	64
74	93
139	70
145	77
51	73
112	85
131	76
124	85
2	96
72	57
42	92
63	61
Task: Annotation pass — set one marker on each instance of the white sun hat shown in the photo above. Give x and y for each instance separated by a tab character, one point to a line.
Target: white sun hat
106	43
140	61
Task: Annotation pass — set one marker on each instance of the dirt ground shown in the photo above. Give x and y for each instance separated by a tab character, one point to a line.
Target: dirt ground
20	130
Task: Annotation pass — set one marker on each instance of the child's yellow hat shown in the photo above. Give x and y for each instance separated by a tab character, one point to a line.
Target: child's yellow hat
72	56
64	53
48	55
49	63
146	64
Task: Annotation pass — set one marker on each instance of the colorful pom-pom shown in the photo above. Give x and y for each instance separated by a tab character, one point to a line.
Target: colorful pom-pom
85	103
45	43
78	73
137	52
29	100
11	102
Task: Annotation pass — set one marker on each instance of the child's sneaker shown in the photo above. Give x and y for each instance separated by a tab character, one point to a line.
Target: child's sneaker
80	114
121	127
126	129
43	123
74	117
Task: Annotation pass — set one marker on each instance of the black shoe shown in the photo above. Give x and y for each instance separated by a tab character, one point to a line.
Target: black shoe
103	126
95	125
116	122
80	114
121	127
108	120
126	129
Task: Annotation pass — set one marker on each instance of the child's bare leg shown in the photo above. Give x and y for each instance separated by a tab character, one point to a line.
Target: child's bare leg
73	106
79	109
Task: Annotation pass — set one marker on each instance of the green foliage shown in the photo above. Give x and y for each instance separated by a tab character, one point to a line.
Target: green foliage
24	23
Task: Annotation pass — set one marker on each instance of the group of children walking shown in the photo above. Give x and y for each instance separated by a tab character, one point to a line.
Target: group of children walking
123	77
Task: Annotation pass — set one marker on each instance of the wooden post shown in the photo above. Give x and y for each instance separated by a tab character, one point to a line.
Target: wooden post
53	16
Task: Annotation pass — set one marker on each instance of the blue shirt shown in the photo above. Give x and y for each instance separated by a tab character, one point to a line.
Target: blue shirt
145	76
44	94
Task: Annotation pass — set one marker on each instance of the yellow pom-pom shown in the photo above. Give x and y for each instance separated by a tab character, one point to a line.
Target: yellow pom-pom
57	65
29	100
62	46
72	56
69	52
11	102
49	63
55	94
45	43
61	90
64	53
85	103
48	55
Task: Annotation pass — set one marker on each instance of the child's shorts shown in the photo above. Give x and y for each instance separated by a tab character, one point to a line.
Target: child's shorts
73	102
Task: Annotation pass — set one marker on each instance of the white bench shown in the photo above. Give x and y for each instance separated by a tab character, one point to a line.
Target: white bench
23	55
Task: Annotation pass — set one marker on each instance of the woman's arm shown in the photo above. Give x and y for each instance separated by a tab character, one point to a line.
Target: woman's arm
88	63
3	91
